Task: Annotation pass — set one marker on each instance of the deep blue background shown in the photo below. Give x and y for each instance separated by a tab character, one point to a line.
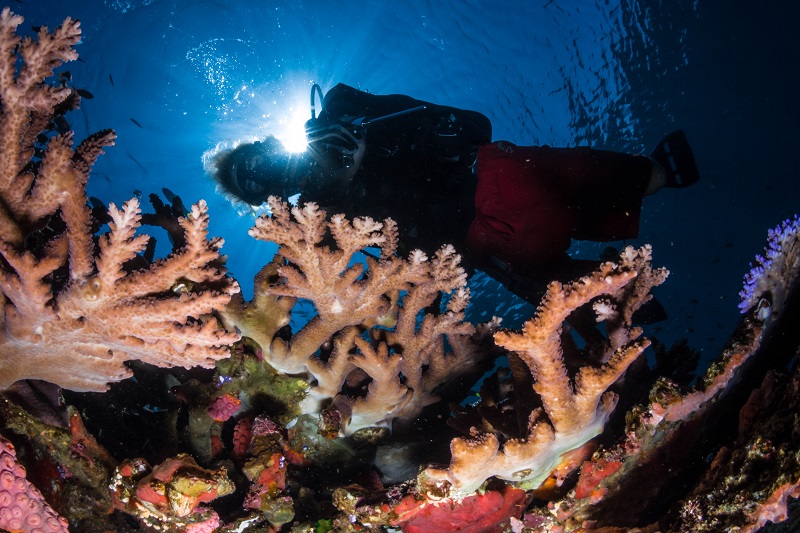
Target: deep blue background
614	74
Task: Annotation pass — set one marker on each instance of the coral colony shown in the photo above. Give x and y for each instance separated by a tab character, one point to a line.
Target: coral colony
234	420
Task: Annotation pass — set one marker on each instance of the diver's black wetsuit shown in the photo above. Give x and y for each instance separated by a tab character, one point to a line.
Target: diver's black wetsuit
417	168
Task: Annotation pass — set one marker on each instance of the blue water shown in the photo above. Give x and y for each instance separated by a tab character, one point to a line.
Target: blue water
615	74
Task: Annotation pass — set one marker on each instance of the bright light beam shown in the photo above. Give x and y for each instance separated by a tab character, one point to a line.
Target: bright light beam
291	129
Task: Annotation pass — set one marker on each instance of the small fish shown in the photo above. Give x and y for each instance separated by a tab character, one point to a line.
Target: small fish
137	162
85	94
111	79
60	124
137	193
65	76
136	122
85	119
169	195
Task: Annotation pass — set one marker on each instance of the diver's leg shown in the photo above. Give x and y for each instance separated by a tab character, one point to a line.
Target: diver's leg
658	178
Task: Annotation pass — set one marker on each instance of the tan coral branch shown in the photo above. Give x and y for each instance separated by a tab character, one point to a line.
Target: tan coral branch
400	363
72	314
577	409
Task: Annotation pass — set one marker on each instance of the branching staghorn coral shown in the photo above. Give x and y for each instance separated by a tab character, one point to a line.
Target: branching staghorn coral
574	410
72	313
362	337
752	476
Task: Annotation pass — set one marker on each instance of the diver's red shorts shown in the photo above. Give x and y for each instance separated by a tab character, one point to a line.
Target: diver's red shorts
532	200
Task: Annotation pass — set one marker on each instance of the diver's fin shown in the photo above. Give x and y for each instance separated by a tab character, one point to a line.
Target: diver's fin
675	155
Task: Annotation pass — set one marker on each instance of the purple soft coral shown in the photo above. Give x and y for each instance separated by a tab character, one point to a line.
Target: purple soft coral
774	271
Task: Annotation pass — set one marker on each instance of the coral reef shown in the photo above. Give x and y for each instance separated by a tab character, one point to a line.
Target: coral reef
751	481
362	339
66	463
169	496
268	456
574	410
343	423
74	312
650	476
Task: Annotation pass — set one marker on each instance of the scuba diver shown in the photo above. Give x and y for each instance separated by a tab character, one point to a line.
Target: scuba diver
510	210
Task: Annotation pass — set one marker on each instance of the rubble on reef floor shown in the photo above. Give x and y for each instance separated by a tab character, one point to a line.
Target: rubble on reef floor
112	361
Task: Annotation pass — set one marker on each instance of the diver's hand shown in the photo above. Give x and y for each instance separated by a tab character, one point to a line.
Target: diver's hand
339	149
358	155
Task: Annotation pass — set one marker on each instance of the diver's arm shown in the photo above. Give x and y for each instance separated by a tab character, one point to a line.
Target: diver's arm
337	153
343	104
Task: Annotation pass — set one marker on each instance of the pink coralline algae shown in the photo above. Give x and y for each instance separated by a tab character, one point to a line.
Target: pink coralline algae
22	506
224	407
480	513
209	526
169	496
242	433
